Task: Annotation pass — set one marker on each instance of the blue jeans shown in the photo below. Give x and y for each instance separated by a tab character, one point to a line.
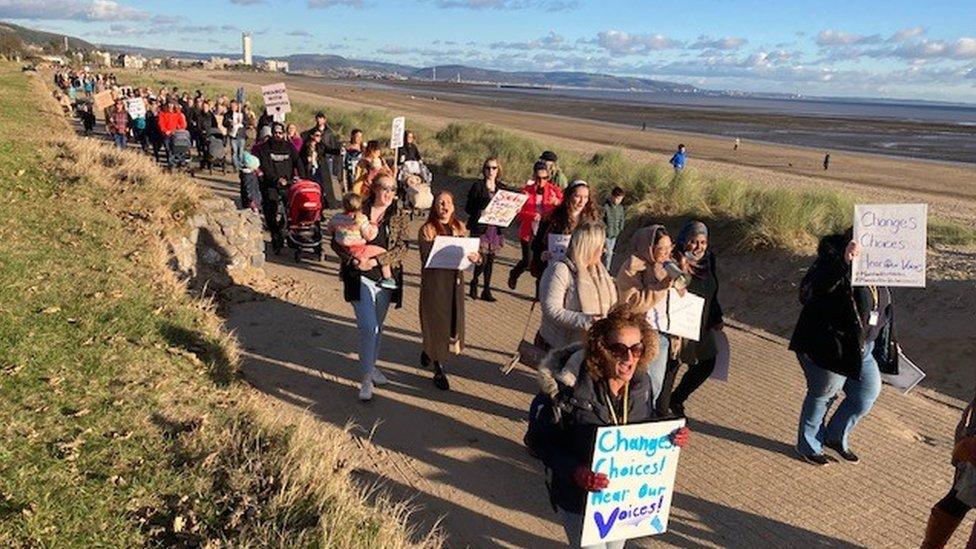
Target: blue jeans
608	246
237	151
823	386
573	526
370	315
658	367
121	140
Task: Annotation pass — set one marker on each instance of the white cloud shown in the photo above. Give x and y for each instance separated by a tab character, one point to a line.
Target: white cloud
324	4
830	37
551	42
246	2
544	5
725	43
75	10
622	43
904	35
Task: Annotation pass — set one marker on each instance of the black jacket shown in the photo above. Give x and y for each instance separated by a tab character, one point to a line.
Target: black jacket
829	329
567	440
279	160
705	285
408	151
478	199
328	145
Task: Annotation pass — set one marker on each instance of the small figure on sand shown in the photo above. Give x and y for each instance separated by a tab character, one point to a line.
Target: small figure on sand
826	161
643	126
735	145
678	160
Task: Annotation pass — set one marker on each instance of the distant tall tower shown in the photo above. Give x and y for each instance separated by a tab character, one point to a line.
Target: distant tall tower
65	43
246	44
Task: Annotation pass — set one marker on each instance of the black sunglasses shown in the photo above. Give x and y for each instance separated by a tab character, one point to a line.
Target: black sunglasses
491	168
623	352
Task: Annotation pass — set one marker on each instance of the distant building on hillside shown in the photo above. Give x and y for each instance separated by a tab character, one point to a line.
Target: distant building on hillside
102	58
218	63
246	46
273	65
130	61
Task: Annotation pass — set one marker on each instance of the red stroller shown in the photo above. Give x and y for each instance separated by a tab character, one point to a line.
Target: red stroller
304	215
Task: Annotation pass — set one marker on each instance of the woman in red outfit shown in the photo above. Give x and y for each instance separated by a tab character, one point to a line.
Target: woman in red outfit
544	196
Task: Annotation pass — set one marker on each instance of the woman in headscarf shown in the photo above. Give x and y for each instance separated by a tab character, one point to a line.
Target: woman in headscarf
642	281
576	290
698	260
441	292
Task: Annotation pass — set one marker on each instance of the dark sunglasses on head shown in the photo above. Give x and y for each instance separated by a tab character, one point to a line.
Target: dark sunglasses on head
623	352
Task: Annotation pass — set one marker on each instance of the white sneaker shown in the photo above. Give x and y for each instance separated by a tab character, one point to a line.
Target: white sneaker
366	390
378	377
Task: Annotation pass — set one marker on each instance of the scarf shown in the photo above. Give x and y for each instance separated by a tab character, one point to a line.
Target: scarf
697	263
594	288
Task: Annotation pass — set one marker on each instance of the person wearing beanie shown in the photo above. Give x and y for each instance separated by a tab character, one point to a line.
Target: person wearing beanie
555	174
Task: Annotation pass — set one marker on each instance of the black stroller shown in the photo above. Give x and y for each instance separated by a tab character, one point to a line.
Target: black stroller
180	144
216	151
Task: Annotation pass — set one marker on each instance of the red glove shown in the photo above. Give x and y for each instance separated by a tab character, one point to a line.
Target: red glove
589	480
680	437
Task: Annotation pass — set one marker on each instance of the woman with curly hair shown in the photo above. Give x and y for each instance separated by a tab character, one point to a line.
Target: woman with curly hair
600	382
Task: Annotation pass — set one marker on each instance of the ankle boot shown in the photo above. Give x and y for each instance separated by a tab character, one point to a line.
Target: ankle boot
473	289
939	529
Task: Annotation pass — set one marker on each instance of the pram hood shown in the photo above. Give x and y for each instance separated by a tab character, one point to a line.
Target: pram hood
304	202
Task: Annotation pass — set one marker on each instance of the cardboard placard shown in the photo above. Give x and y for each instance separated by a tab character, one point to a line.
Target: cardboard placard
276	98
677	315
103	100
451	252
558	244
641	463
893	244
503	208
396	132
136	107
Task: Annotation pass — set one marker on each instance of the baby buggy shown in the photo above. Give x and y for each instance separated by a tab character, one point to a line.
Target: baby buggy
304	215
413	185
180	143
216	151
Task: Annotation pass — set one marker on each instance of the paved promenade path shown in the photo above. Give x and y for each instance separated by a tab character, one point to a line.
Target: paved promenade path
459	454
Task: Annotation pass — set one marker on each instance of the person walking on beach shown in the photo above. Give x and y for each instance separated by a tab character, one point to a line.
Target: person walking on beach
441	292
735	145
544	196
844	339
492	239
600	382
678	159
555	174
614	217
361	279
826	162
692	249
950	511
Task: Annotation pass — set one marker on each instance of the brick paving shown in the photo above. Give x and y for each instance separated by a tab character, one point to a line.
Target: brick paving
458	455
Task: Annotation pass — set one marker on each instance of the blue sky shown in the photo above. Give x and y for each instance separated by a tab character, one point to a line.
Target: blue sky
918	50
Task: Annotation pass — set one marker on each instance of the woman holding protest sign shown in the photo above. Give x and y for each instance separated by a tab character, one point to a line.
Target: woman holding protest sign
693	253
643	280
361	279
441	292
584	386
576	290
544	196
575	208
844	339
492	239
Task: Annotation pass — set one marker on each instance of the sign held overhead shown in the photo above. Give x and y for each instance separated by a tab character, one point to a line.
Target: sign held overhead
276	98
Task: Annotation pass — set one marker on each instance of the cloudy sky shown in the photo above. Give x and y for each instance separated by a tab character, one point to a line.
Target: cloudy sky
904	49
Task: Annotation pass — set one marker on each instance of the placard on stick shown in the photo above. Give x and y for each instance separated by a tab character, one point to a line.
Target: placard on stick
396	132
136	107
276	99
503	208
893	243
641	463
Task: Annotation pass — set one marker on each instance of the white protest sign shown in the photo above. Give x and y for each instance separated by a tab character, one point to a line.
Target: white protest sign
677	315
503	208
396	132
558	244
641	464
136	107
451	252
909	375
276	98
892	239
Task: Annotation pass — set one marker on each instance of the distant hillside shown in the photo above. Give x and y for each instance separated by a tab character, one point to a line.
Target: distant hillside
42	38
559	78
314	62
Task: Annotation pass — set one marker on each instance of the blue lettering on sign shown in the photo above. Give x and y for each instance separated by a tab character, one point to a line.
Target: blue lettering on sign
614	440
603	527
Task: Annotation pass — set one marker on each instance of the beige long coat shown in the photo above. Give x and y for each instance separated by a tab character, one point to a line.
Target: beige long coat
441	302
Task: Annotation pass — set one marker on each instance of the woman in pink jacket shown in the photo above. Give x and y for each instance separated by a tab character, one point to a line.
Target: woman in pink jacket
544	196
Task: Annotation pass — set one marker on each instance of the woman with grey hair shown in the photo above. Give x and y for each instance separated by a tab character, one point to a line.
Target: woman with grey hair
693	254
576	290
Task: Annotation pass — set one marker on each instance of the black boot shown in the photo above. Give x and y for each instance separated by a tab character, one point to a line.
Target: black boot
486	296
440	377
473	288
488	267
424	359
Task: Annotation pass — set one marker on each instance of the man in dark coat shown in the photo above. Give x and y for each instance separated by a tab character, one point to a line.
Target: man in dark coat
279	164
328	148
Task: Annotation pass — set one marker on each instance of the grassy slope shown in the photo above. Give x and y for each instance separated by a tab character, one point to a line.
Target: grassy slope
785	219
124	421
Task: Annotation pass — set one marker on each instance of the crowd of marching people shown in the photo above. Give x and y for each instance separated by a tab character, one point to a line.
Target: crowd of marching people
600	361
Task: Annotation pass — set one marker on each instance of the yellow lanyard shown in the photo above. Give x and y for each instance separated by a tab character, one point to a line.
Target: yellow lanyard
613	413
874	297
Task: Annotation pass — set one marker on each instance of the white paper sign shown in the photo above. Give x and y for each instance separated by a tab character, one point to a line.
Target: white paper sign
909	375
276	98
892	238
451	252
558	244
136	107
641	464
676	315
503	208
396	132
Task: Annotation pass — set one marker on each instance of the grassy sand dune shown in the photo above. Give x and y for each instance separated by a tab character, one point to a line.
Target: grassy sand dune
126	423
